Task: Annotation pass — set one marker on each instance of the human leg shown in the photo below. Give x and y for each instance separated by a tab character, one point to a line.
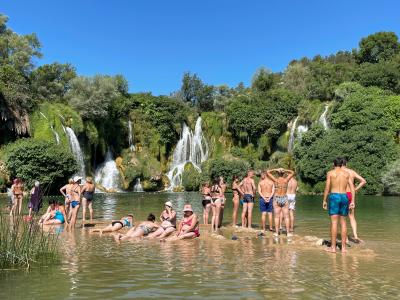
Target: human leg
334	223
353	223
167	232
277	212
90	210
84	205
235	210
244	214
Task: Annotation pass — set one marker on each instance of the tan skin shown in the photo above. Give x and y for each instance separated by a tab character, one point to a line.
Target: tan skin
113	228
354	176
161	232
137	232
186	231
76	196
337	181
48	217
266	189
281	185
18	191
89	187
66	192
223	186
292	189
236	199
217	196
248	186
206	192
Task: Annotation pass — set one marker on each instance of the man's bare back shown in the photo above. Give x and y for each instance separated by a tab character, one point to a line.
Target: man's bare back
266	187
292	186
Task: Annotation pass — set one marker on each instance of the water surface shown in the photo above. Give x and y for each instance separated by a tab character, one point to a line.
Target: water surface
95	267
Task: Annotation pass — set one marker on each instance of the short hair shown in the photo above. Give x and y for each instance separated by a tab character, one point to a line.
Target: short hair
338	162
151	217
130	215
52	201
344	161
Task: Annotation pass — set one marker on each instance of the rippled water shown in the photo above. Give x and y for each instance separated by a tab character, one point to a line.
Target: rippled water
249	268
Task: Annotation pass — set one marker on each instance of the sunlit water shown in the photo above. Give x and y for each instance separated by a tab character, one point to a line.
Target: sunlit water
251	267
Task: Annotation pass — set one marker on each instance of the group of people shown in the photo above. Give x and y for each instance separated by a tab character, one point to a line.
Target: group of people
166	229
17	195
277	191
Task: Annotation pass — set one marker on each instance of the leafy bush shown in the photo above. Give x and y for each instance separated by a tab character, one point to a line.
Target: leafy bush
391	179
227	168
191	178
32	160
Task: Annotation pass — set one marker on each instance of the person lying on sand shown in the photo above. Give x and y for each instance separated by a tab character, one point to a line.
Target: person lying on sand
126	221
144	229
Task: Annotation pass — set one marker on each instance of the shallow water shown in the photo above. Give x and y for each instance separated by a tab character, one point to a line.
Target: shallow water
95	267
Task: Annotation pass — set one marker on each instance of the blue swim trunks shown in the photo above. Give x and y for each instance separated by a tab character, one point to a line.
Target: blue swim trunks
266	206
74	203
247	198
338	204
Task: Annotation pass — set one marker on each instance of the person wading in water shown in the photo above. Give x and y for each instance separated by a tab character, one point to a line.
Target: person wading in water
248	187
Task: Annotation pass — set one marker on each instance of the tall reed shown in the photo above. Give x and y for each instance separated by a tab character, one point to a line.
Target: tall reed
23	243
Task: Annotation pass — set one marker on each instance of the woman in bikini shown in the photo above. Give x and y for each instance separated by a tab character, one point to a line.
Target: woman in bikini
144	229
223	186
76	199
189	226
206	193
116	225
17	190
236	199
66	192
216	204
168	222
87	198
54	215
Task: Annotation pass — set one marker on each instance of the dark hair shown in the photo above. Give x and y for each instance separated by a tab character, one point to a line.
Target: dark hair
130	215
338	162
344	161
235	177
216	181
52	201
151	218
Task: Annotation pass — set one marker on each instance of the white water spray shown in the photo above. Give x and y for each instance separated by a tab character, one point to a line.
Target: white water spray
191	148
138	186
292	134
107	174
76	151
322	118
130	137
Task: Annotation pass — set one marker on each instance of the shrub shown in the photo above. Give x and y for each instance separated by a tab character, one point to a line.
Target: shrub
191	178
226	168
391	179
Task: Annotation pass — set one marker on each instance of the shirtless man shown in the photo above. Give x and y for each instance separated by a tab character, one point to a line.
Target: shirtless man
281	203
361	182
337	181
248	187
266	189
291	194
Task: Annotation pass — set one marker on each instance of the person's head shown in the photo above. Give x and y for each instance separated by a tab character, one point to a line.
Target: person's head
15	181
263	175
77	179
59	203
71	181
235	178
206	184
216	181
187	210
130	216
52	203
151	217
338	162
250	173
221	180
281	172
37	183
344	161
168	204
89	179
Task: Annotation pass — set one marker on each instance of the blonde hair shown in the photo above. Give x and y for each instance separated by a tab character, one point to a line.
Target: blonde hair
70	181
89	179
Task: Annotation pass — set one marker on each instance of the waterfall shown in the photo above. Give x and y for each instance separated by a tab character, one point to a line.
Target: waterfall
322	118
300	130
138	186
130	137
292	134
191	148
76	150
107	174
55	135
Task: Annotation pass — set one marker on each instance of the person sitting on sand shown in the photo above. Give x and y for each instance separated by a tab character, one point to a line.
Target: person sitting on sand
144	229
337	181
54	215
189	226
168	222
126	221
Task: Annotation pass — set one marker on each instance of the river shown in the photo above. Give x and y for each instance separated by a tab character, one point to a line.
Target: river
252	267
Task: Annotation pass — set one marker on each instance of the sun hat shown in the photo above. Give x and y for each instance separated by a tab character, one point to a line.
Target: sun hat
168	203
77	178
187	207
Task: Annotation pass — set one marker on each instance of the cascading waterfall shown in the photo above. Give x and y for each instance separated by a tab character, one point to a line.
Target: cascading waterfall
322	118
107	174
301	129
292	134
76	150
191	148
130	137
138	186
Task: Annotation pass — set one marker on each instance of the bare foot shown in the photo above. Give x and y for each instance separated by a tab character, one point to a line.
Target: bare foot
330	250
344	250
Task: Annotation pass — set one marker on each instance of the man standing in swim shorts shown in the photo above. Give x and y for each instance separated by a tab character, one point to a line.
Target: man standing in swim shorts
266	189
248	187
361	182
281	203
291	194
337	181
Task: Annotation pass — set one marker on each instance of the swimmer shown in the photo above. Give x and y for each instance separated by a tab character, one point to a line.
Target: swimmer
223	186
237	192
280	198
248	188
361	182
337	181
144	229
66	192
168	222
17	190
116	225
216	203
291	194
266	190
206	202
54	215
87	198
75	200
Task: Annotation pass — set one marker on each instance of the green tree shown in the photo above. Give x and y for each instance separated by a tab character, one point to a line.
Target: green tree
378	47
195	91
385	75
263	80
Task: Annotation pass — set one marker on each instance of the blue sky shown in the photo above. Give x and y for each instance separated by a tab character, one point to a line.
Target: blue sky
153	42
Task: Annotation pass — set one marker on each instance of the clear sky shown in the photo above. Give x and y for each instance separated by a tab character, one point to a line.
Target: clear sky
152	43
